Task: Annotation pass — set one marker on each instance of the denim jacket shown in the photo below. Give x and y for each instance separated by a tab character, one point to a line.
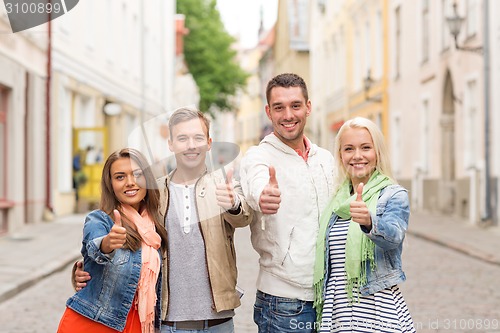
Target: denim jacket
109	295
389	225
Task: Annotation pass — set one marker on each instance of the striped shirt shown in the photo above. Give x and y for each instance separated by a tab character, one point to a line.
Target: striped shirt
385	311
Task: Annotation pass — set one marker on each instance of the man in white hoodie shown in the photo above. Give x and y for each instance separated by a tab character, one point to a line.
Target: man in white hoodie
287	180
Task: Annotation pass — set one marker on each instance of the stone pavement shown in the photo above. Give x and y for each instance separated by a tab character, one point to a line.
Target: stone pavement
479	242
42	248
36	251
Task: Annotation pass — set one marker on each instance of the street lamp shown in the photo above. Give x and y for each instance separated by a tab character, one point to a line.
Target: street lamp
367	84
455	25
112	109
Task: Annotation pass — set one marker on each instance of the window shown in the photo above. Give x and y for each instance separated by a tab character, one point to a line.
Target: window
125	43
111	39
445	31
396	140
472	128
378	120
132	134
425	30
358	76
342	72
378	47
424	135
298	17
65	146
472	17
3	142
334	80
397	56
90	28
322	6
367	49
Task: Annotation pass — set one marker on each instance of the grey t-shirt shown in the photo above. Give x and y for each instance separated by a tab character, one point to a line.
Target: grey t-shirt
190	296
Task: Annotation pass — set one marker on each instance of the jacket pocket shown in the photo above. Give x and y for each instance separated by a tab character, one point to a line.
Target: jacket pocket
121	257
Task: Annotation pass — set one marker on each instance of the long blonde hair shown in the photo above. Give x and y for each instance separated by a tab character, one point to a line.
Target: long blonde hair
109	202
383	164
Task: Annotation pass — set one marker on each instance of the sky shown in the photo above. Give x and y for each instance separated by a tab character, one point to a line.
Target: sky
242	18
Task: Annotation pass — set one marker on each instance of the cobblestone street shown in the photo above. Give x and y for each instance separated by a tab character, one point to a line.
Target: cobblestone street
446	291
450	292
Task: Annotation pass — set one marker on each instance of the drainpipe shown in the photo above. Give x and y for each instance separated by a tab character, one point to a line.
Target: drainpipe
48	211
488	216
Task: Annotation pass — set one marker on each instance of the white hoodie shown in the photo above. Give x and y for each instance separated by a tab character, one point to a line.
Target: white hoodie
287	245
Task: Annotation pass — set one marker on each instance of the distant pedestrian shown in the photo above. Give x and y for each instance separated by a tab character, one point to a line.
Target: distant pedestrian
77	169
122	248
358	254
79	177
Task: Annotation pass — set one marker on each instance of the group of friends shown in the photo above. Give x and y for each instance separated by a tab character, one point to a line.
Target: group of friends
159	256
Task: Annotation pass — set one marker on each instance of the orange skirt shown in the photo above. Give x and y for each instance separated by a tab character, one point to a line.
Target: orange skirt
73	322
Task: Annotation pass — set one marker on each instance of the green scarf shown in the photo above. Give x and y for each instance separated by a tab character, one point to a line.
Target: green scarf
359	248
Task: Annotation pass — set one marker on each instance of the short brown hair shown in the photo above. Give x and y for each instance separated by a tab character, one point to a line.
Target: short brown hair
286	80
185	114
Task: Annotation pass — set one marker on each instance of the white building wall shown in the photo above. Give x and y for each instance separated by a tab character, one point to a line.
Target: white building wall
439	180
119	51
329	68
494	8
23	64
318	69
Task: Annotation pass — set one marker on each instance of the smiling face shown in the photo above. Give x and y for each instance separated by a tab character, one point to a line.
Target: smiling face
190	142
288	110
128	181
358	155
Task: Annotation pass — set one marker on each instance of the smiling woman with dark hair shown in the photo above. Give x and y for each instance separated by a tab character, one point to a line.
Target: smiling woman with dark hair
122	249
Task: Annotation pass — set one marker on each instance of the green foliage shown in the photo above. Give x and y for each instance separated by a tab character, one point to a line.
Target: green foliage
209	56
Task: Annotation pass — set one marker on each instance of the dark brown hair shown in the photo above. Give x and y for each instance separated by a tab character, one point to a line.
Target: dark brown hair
109	202
286	80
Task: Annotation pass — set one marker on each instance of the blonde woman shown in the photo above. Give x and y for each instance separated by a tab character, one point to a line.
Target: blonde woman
358	256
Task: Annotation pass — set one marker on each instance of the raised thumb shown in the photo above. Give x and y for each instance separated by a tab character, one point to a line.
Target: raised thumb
229	176
359	191
118	218
272	176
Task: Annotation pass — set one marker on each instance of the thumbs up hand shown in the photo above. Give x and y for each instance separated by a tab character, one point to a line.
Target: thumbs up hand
359	211
270	198
116	237
226	197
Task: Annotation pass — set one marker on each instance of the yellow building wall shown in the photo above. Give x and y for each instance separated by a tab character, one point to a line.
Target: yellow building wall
250	107
375	104
286	59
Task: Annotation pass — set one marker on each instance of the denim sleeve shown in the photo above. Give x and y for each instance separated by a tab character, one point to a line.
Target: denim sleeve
97	226
390	222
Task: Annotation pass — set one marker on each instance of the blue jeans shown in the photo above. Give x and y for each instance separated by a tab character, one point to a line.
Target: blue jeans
274	314
227	327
